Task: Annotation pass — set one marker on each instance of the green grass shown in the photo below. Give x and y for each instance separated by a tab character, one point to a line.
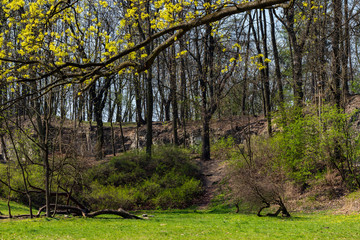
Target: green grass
182	224
16	209
187	225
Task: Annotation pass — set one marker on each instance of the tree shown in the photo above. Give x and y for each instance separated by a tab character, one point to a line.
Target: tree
276	60
256	178
50	46
89	51
263	66
67	66
298	37
98	97
176	61
336	61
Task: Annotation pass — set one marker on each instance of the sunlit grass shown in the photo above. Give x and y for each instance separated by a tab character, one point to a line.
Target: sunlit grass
16	209
187	225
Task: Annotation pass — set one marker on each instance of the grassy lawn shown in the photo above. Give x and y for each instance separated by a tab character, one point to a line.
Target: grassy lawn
16	209
186	225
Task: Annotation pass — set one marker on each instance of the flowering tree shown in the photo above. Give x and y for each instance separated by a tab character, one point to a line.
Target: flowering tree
78	42
49	46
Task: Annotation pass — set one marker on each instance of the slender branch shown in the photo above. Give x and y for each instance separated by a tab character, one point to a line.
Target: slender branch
179	30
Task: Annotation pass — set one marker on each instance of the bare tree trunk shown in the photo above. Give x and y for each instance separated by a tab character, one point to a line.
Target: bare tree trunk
336	64
140	120
149	112
183	96
8	175
263	29
297	43
346	51
246	70
113	138
205	151
173	97
277	60
204	79
98	99
264	72
122	135
99	129
43	128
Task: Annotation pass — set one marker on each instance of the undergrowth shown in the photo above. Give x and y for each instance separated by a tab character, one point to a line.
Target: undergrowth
131	181
313	153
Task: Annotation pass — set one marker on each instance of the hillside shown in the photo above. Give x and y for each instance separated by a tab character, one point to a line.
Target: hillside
83	137
81	140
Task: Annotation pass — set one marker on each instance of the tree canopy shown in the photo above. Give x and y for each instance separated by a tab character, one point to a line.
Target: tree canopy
77	42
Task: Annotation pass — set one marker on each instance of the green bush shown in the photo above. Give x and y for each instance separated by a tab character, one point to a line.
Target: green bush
179	197
313	140
168	180
110	197
34	176
223	148
307	144
298	145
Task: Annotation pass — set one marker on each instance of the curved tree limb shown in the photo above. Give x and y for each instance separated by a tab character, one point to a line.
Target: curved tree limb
85	213
119	212
95	70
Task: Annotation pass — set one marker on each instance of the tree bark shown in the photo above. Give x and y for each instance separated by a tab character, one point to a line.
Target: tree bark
336	60
276	60
85	213
183	94
264	73
346	51
119	212
205	81
173	95
140	120
149	113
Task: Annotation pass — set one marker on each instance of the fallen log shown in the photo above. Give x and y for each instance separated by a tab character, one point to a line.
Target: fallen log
70	209
78	212
15	216
85	212
119	212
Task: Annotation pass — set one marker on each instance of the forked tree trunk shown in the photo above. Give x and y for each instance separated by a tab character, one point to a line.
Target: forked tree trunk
282	209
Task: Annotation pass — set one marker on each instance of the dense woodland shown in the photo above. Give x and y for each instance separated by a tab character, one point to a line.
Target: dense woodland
138	61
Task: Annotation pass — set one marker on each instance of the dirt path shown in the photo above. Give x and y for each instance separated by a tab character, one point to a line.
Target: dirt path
212	173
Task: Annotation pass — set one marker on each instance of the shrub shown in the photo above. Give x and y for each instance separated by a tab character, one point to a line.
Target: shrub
298	145
168	180
223	148
255	177
179	197
306	145
311	141
105	197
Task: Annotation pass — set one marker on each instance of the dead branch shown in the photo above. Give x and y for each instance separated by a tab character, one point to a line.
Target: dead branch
85	212
119	212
